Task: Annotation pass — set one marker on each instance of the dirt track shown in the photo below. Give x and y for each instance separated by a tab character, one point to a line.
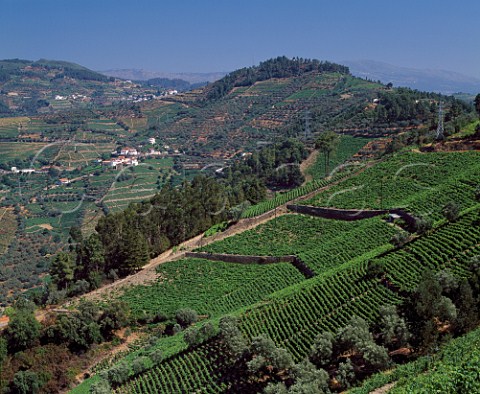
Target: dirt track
148	273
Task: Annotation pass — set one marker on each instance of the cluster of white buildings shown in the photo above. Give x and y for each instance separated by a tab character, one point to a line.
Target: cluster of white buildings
127	157
72	97
15	170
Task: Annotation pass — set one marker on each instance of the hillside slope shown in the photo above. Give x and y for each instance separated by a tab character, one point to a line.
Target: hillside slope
44	86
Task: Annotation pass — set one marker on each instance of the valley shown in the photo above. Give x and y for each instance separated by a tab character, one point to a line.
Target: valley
102	202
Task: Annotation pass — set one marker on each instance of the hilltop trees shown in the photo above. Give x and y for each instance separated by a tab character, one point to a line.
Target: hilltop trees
280	67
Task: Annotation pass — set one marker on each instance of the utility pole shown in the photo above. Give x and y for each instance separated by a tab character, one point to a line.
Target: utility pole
440	131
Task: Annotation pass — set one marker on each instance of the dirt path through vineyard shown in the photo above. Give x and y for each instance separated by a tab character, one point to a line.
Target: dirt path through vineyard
148	273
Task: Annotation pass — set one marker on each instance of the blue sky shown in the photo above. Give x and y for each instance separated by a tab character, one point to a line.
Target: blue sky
203	36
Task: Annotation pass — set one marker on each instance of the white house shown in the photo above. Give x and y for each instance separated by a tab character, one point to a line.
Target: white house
128	152
152	140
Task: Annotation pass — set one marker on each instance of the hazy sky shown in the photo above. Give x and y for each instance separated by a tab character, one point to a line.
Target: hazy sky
202	36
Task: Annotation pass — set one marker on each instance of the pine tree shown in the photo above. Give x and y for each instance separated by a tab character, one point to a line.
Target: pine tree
62	269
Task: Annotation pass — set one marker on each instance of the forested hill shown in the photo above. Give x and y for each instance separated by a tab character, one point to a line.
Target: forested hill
280	67
280	96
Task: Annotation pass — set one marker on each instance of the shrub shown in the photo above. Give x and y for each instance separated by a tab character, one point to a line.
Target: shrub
186	317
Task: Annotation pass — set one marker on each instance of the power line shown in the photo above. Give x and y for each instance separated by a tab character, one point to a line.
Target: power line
440	130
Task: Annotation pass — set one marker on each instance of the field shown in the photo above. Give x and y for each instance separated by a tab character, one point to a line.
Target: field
314	240
135	184
422	183
346	148
211	288
454	370
274	299
467	130
282	198
10	127
292	317
77	154
19	150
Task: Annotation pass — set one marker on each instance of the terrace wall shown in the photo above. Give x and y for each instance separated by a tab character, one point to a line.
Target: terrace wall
350	214
246	259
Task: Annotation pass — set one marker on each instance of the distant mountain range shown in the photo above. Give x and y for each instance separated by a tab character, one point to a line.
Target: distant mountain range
440	81
144	75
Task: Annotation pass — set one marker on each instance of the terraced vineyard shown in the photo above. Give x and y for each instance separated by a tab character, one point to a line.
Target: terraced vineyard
294	316
283	198
314	240
347	147
419	182
211	288
198	371
451	246
454	369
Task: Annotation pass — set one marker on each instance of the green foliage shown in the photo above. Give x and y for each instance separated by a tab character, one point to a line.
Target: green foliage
210	287
280	67
282	198
90	257
375	356
477	103
118	374
421	183
322	349
114	315
453	370
346	148
25	382
102	386
232	337
172	216
327	142
140	364
467	313
451	211
300	234
62	269
393	328
196	335
309	379
133	251
23	329
355	334
346	374
275	388
265	354
186	316
400	239
156	356
3	351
